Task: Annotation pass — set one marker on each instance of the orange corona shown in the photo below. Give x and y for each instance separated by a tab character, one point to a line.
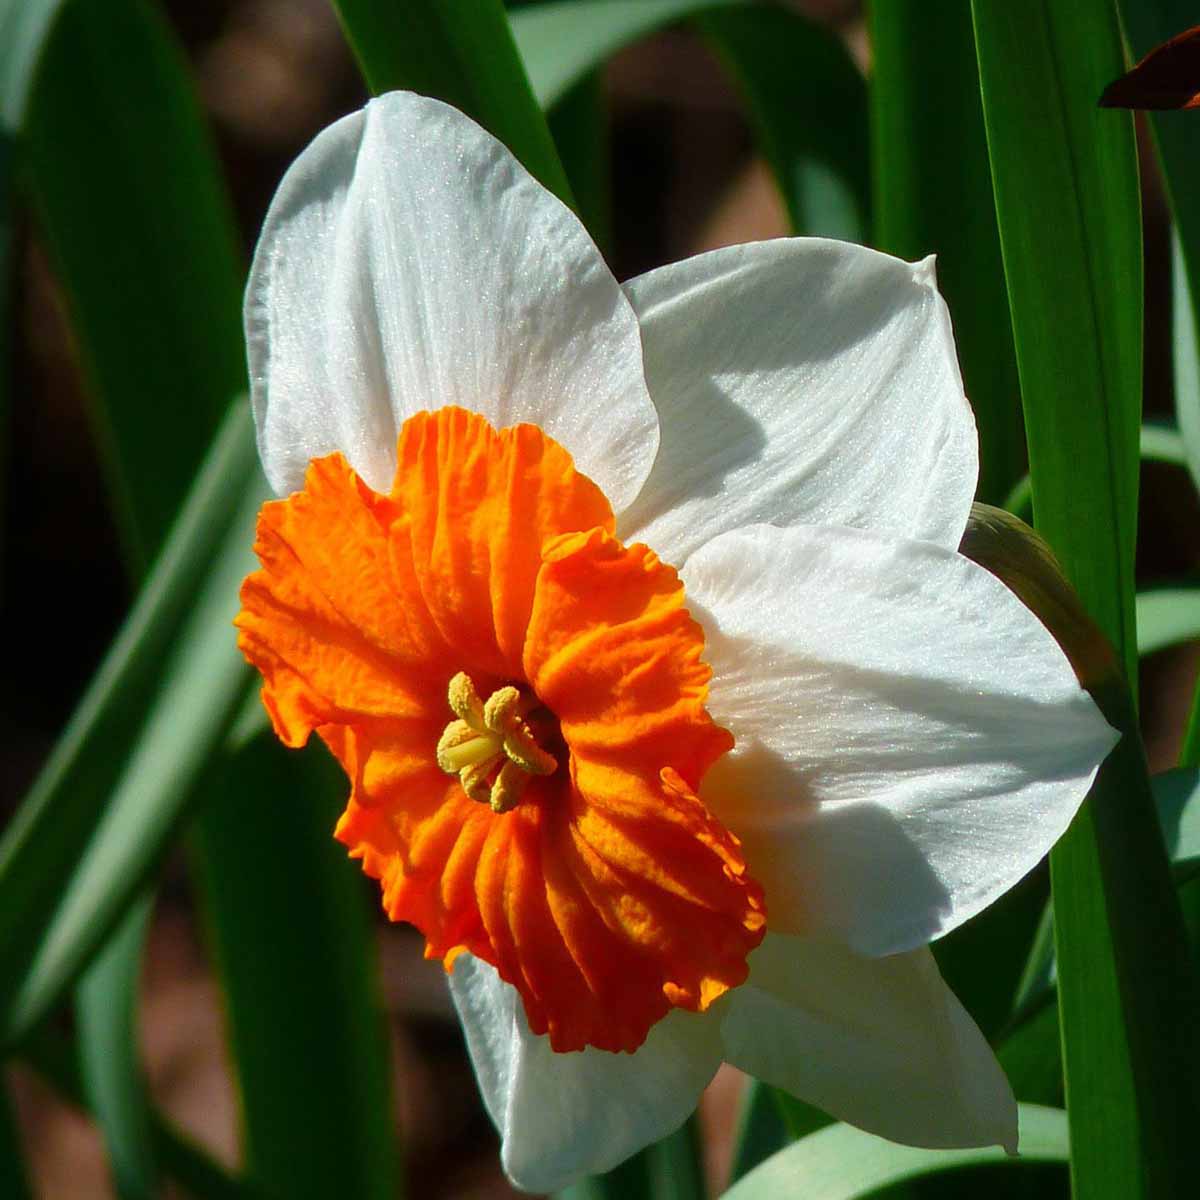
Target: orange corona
518	701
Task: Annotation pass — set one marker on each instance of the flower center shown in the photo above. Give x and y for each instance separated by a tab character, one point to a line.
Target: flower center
490	746
571	850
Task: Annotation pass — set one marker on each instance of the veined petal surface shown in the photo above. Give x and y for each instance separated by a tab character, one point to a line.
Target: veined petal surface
801	381
408	262
879	1042
910	738
561	1116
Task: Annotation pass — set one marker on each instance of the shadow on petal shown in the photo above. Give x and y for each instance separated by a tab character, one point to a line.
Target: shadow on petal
827	868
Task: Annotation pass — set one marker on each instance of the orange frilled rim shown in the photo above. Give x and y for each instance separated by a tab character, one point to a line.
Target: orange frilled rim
609	893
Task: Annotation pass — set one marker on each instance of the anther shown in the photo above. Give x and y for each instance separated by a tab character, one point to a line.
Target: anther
489	746
464	701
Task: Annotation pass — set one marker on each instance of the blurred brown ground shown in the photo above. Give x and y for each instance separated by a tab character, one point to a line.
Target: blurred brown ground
271	73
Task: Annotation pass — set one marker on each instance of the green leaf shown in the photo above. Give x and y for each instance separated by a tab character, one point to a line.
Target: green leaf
1031	1054
1177	794
106	1006
562	41
130	198
1030	1051
1127	990
982	961
668	1170
1041	972
1065	177
200	1177
1158	443
843	1163
146	252
463	54
1148	23
287	914
103	809
933	195
1185	342
760	1130
770	1118
1163	444
787	68
579	123
674	1167
1177	803
629	1181
800	1118
807	103
1189	755
1167	616
24	27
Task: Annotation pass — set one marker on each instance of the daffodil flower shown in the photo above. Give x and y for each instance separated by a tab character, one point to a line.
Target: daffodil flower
672	716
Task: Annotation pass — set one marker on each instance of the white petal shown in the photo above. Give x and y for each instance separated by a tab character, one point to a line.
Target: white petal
561	1116
910	738
801	381
409	262
879	1042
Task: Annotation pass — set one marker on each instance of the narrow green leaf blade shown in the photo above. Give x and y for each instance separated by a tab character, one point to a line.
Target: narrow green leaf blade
674	1166
463	54
1185	354
1167	616
24	27
800	1119
668	1170
130	198
146	251
1149	23
1177	803
562	41
1031	1055
843	1163
1158	443
98	817
579	123
933	195
1040	973
1189	755
200	1177
982	961
1177	794
106	1007
1163	444
1065	177
807	102
770	1115
789	69
287	913
760	1130
629	1181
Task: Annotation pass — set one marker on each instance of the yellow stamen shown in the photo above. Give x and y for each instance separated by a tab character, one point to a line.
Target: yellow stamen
464	701
476	780
461	746
506	791
489	746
